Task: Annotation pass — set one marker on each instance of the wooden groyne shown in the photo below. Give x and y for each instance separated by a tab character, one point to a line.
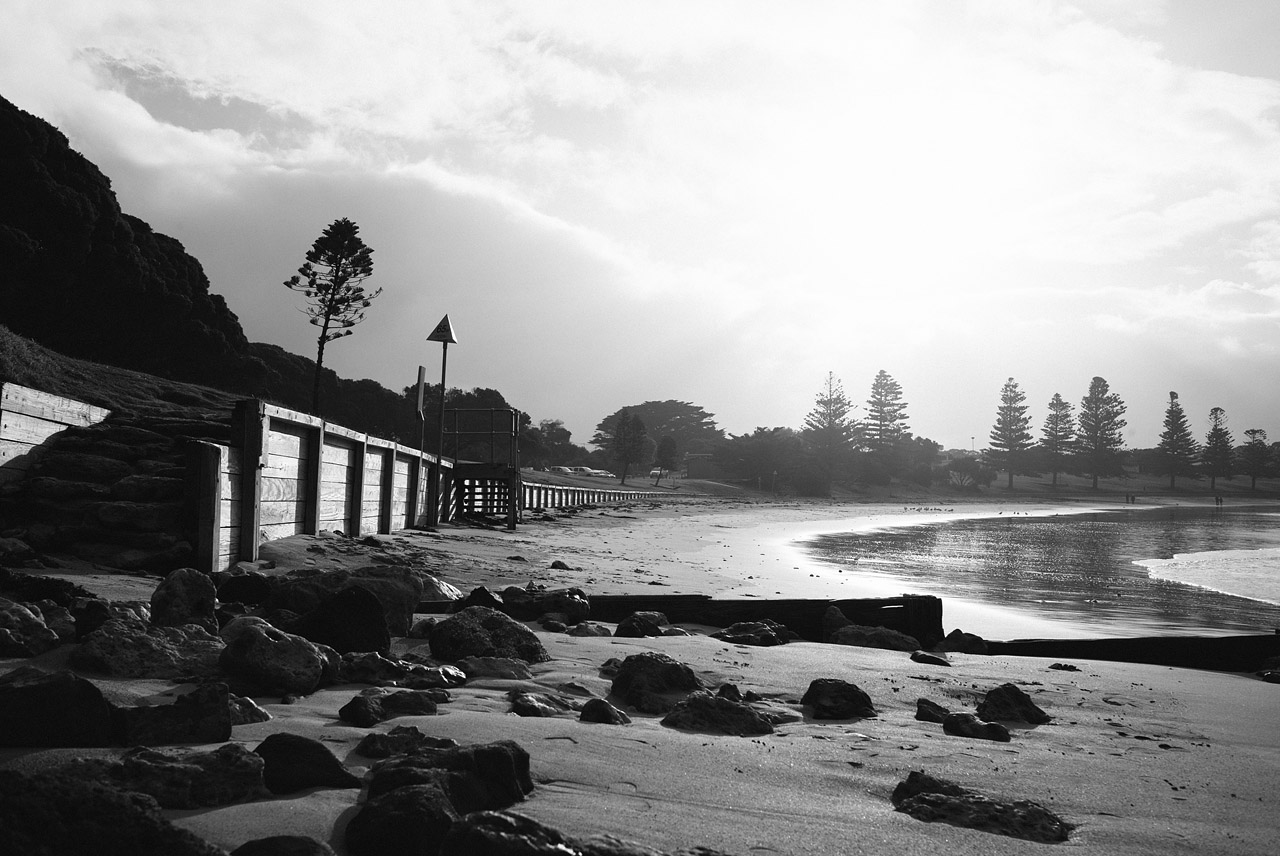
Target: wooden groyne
1218	653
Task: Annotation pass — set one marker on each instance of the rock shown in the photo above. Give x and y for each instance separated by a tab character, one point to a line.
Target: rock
559	565
91	817
29	588
925	798
129	648
283	845
398	589
1008	703
832	698
652	683
267	661
1064	667
968	725
422	677
874	637
963	643
479	631
599	710
376	705
637	625
23	632
437	589
761	633
587	628
185	596
495	833
52	709
352	619
294	763
477	777
506	668
929	659
251	588
245	711
421	628
538	704
57	618
199	715
478	596
400	740
90	614
181	779
928	711
371	668
702	711
532	601
411	820
832	620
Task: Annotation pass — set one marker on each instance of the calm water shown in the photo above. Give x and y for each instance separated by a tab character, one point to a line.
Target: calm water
1124	573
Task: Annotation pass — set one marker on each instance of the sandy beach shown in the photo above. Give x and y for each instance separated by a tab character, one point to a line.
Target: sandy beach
1139	759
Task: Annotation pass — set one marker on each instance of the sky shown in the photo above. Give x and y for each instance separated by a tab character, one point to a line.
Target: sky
716	202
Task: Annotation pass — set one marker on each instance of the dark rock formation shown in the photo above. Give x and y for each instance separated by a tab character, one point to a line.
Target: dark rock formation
1008	703
478	777
506	668
503	833
261	660
538	704
23	631
638	625
762	633
968	725
376	705
929	799
398	591
587	628
929	659
479	631
411	820
283	845
53	815
526	604
245	711
293	763
181	780
44	709
652	683
371	668
702	711
928	711
202	715
351	619
250	588
963	643
185	596
832	698
128	648
400	740
600	711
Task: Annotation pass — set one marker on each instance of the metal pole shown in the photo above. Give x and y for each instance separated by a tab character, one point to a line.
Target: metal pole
434	517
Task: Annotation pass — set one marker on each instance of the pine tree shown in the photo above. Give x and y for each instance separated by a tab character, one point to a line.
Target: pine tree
1010	437
1218	456
886	422
1177	448
1256	460
330	279
829	430
1098	435
1058	435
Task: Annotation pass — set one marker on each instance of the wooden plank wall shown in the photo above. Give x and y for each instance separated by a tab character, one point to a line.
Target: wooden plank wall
29	417
285	482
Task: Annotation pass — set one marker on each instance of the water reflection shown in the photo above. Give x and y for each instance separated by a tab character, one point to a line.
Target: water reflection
1076	567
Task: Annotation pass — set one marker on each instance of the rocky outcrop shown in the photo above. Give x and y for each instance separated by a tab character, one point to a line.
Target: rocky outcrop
479	631
762	633
400	740
352	619
23	631
968	725
261	660
1008	703
179	779
652	683
376	705
185	596
128	648
638	625
50	709
293	763
937	800
201	715
702	711
832	698
874	637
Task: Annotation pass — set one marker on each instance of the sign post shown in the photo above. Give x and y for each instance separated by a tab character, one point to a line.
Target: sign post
443	333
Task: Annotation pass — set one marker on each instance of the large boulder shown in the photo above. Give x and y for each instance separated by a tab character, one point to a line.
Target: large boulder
181	779
294	763
201	715
261	660
479	631
937	800
352	619
638	625
968	725
477	777
397	589
832	698
44	815
1008	703
51	709
534	601
764	633
874	637
652	683
23	631
185	596
702	711
129	648
376	705
411	821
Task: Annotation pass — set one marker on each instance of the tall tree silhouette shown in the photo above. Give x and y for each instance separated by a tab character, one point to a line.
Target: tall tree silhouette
331	281
1177	448
1218	456
1010	437
829	430
1058	434
886	421
1098	435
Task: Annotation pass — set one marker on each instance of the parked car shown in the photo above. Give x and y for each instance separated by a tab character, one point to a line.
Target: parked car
604	474
562	470
581	471
655	473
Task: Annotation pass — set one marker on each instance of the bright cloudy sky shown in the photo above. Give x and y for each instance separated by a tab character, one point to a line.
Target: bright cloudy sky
717	202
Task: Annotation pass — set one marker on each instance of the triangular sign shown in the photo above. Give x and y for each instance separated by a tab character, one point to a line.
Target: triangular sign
443	333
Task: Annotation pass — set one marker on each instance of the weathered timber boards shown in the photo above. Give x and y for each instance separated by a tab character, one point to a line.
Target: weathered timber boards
24	428
52	408
1226	653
